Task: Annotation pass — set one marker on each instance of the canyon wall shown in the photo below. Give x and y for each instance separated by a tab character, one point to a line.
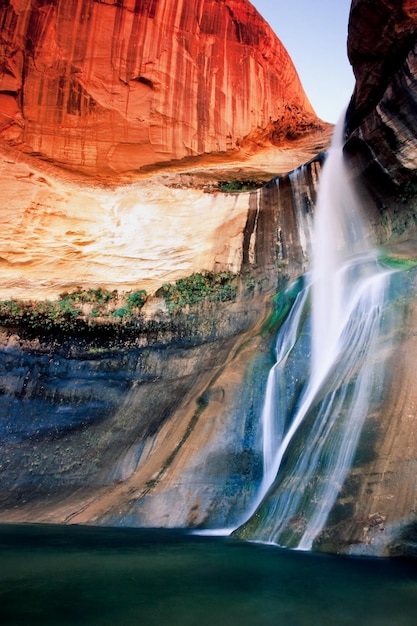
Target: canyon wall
381	122
147	422
157	422
105	86
375	513
97	419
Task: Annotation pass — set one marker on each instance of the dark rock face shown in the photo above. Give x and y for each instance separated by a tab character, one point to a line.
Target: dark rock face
280	222
385	138
381	34
381	47
381	119
78	416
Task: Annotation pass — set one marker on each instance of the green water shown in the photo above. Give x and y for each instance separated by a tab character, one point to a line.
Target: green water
53	576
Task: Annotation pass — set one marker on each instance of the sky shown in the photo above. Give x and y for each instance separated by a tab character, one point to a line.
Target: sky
314	34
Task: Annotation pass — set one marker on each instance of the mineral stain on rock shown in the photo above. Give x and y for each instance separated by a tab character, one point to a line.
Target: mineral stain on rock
107	155
111	87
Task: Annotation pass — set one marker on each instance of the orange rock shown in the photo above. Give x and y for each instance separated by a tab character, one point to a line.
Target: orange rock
103	86
410	8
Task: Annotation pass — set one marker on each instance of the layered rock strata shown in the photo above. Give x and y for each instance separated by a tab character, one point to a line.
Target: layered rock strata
116	86
381	121
90	425
147	423
141	235
94	423
159	424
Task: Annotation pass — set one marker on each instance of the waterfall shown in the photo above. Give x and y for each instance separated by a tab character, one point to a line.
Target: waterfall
325	377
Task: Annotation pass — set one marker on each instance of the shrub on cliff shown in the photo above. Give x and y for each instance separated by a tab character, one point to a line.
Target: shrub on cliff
238	186
38	315
215	287
72	308
134	302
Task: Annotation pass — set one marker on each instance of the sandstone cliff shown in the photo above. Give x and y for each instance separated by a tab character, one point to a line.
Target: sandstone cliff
156	422
381	121
376	509
105	86
98	416
67	233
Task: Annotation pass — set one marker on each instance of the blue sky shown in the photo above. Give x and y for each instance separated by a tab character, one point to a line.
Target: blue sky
314	34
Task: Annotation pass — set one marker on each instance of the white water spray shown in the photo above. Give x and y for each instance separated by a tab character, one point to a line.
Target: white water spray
317	434
341	254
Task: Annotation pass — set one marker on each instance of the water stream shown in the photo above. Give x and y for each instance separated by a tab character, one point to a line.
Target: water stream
326	376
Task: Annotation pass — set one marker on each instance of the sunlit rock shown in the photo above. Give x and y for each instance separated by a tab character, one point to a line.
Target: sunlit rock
156	421
115	86
56	236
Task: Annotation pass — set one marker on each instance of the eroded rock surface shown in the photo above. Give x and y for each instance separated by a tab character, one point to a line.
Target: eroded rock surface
95	426
67	233
381	121
115	86
89	425
57	235
160	427
154	422
380	37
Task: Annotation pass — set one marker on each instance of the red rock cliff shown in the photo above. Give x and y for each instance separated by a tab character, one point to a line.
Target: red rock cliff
115	85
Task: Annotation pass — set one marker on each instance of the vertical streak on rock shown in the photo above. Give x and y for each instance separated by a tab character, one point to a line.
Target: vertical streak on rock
115	86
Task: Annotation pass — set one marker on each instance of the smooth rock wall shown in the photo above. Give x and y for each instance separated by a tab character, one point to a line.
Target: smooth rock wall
107	87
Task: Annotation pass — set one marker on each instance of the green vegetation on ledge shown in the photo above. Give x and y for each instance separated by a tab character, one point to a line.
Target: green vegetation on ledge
216	287
238	186
71	308
398	262
88	308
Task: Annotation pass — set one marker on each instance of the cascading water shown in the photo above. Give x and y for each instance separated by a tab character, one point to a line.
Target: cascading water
325	377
